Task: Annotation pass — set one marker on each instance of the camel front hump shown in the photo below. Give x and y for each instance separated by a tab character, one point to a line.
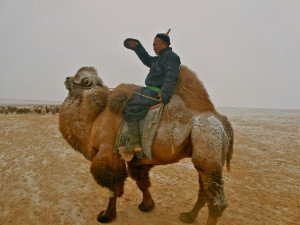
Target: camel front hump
210	142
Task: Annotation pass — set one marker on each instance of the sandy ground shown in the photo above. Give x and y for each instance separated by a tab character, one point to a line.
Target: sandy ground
44	181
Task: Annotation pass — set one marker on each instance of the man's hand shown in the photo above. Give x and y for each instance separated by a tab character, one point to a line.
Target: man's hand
132	44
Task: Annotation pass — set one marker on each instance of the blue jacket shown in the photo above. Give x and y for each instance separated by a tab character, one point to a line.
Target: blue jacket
164	70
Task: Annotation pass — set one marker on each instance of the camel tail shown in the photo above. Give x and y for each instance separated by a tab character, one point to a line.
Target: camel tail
230	150
229	132
228	167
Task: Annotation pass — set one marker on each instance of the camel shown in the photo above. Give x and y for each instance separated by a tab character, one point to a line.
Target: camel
190	126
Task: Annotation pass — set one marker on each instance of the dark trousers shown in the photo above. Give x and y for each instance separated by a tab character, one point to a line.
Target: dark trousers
138	106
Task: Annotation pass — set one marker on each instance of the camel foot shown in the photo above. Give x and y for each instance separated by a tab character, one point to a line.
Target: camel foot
187	218
104	218
146	208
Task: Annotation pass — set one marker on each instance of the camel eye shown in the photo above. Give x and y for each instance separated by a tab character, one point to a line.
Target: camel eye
87	83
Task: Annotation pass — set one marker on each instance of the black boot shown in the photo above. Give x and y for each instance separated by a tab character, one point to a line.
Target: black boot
134	142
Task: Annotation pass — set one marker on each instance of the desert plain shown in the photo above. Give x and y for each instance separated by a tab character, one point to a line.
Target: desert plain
44	181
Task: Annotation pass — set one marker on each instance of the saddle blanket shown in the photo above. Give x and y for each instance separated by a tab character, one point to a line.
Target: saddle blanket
148	127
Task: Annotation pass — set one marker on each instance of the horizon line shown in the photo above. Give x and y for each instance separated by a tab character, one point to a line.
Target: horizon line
61	101
14	99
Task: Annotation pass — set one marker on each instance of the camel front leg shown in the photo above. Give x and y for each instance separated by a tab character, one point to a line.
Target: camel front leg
140	173
106	216
109	171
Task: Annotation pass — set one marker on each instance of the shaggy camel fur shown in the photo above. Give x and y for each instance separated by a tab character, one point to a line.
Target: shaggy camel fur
89	120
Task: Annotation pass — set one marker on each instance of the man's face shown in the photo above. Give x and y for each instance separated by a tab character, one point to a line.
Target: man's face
158	45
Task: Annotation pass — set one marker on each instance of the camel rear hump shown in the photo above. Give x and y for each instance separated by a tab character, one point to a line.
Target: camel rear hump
211	140
188	87
192	91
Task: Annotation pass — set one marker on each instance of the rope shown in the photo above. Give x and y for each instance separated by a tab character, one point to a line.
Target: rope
154	99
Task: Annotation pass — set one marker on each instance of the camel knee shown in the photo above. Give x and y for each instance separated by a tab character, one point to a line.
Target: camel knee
110	177
217	205
217	202
213	186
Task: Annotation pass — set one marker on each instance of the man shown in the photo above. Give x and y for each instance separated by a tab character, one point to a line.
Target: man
160	83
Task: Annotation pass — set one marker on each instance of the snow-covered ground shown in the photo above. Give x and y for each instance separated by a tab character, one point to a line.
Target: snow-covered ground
44	181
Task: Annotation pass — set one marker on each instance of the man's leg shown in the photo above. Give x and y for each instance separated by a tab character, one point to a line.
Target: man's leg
134	141
135	110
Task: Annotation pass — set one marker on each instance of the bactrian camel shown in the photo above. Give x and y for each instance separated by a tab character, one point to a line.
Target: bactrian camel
190	126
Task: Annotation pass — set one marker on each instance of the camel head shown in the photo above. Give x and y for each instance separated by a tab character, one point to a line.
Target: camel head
85	78
86	88
86	99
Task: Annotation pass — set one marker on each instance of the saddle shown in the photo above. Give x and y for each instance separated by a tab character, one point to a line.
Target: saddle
148	127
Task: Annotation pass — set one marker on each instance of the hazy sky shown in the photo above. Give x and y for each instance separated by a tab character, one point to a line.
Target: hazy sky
246	52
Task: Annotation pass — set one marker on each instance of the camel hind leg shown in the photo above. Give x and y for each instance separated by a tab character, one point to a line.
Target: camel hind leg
210	147
210	192
189	217
217	202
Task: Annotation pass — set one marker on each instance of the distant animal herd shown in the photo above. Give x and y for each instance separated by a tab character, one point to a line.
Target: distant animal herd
33	109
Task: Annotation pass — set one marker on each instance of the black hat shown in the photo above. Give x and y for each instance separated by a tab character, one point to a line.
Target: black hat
165	37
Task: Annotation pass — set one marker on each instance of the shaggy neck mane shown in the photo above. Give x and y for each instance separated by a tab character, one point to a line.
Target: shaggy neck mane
77	115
